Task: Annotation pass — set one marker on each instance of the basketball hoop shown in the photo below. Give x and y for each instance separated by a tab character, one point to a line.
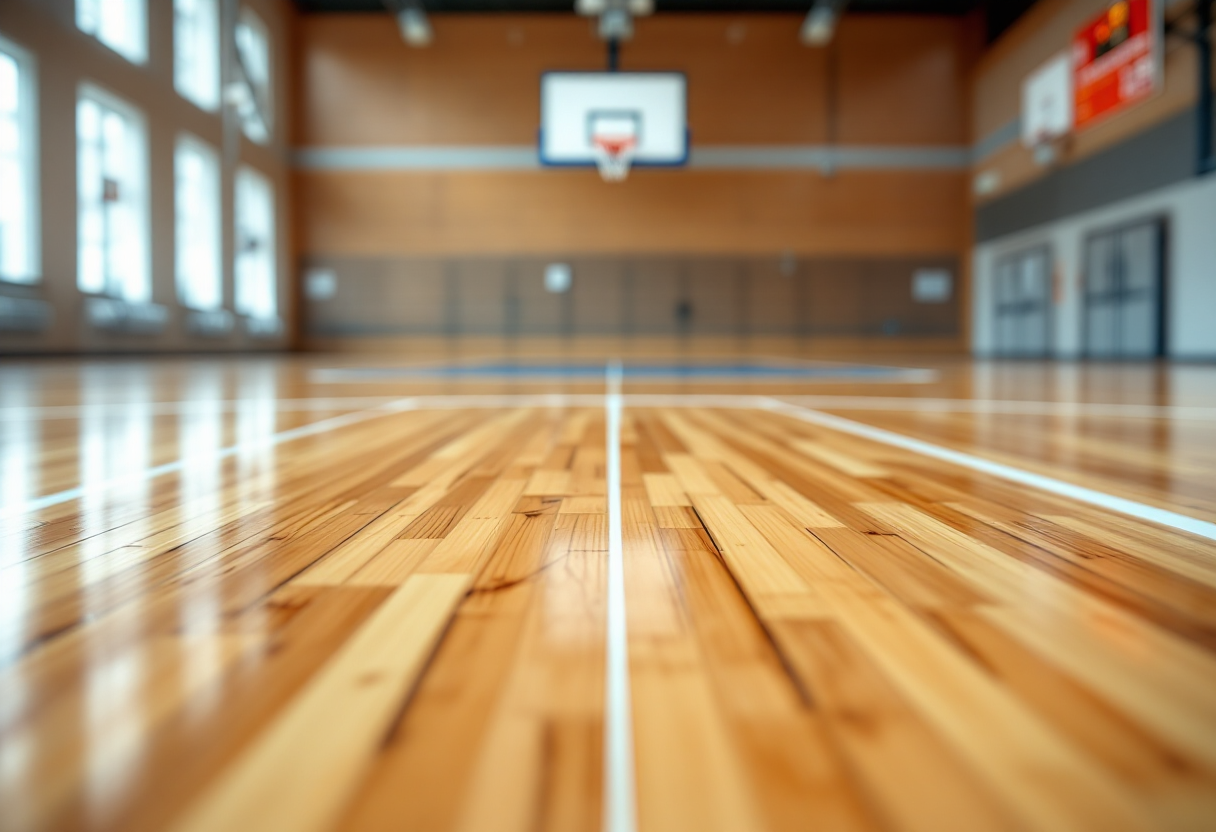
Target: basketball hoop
1047	109
613	120
613	156
1047	148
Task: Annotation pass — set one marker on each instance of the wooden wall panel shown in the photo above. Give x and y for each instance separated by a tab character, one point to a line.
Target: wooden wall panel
1044	31
749	79
551	212
902	79
478	83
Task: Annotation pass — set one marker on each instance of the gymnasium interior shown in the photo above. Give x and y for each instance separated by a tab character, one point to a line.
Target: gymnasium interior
616	415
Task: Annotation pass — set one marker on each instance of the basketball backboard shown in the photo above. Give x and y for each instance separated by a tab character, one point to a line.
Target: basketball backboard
613	120
1047	101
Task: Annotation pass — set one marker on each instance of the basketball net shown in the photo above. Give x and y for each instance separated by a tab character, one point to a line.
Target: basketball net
613	156
1046	148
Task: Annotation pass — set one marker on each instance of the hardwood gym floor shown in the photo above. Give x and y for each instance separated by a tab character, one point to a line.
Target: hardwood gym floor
251	595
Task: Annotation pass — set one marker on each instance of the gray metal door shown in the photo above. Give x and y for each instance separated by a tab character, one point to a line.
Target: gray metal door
1123	292
1023	304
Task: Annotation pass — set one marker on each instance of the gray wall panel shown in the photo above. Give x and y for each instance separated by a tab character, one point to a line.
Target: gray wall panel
482	291
654	291
773	297
540	312
739	296
597	296
834	293
711	287
1159	156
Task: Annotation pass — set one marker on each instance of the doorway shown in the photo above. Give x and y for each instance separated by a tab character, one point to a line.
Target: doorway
1124	292
1023	304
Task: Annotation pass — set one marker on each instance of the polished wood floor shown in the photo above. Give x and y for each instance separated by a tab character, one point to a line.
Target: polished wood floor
244	595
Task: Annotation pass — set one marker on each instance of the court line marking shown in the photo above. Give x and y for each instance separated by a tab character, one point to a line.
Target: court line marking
1008	406
619	770
1110	502
398	405
640	374
188	407
620	811
323	426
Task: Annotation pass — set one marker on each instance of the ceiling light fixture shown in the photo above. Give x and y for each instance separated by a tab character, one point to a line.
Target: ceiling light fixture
820	23
413	22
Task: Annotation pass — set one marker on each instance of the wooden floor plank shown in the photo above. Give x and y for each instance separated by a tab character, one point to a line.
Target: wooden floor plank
517	710
689	775
1001	740
798	777
398	621
304	768
1162	686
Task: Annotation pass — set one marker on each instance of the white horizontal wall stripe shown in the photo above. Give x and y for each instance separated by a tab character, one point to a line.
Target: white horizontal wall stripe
750	157
489	157
822	156
1006	134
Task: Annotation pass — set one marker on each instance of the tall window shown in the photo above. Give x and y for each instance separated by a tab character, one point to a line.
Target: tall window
196	51
255	271
111	187
18	167
197	196
253	60
119	24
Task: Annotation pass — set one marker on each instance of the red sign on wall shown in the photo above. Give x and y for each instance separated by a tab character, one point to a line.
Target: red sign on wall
1115	60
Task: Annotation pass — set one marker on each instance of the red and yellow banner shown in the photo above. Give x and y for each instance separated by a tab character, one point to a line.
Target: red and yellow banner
1115	59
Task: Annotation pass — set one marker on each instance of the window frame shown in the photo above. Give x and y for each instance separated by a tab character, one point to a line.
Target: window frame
190	142
142	179
239	292
210	101
29	159
137	51
250	19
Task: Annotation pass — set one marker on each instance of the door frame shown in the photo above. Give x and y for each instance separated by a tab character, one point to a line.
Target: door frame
1117	230
1047	249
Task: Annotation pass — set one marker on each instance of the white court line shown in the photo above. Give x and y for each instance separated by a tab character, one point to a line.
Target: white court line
325	425
560	400
1007	406
422	374
188	406
620	812
896	403
1110	502
397	405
